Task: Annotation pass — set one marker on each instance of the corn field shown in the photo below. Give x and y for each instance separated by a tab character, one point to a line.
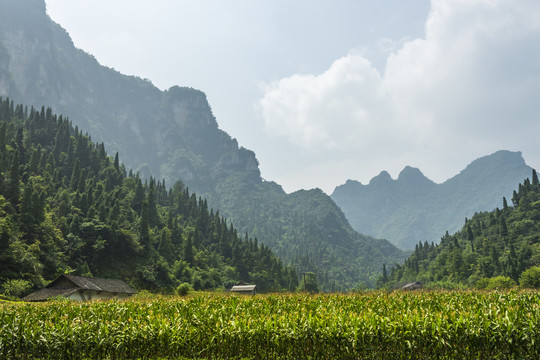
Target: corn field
378	325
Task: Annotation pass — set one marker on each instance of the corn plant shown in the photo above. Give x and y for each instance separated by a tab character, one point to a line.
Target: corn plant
378	325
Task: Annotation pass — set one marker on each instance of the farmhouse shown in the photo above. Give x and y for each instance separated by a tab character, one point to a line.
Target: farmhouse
244	289
81	288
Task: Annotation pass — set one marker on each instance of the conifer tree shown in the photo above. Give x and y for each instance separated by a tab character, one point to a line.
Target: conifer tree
384	274
138	198
470	235
153	218
12	184
503	227
2	146
188	250
75	175
144	233
116	162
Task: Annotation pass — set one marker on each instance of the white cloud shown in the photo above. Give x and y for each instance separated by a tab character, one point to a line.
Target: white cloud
468	88
332	110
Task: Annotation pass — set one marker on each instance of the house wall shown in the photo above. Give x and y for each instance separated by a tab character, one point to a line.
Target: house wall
243	292
75	296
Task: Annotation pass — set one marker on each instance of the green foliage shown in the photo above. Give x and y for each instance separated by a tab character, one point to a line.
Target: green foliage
16	287
530	278
309	283
500	282
375	325
183	289
65	206
491	248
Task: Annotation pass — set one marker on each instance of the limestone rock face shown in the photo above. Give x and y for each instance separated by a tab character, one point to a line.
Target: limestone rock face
168	134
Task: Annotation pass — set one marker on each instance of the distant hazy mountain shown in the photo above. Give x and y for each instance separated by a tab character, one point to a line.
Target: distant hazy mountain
173	135
490	246
413	208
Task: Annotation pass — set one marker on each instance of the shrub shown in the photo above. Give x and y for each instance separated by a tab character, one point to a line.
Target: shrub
183	289
16	287
144	295
500	282
482	283
530	278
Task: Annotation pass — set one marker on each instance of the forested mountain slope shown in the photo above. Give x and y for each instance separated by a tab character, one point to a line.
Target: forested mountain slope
503	242
173	135
413	208
67	207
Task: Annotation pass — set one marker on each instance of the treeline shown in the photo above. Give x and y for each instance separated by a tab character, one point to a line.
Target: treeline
500	247
68	207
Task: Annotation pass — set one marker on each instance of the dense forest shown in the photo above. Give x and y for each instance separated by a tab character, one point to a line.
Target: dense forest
68	207
497	248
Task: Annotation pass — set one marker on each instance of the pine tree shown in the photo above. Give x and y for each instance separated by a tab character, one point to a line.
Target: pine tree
384	274
188	251
3	144
144	229
153	217
138	198
505	204
75	175
116	162
503	228
470	235
27	219
12	183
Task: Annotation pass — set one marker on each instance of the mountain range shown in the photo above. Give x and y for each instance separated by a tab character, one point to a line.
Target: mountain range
413	208
173	135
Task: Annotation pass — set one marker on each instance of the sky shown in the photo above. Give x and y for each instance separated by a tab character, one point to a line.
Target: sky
325	91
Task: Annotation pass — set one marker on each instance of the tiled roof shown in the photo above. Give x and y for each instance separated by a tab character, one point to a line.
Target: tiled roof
97	284
243	288
58	287
48	293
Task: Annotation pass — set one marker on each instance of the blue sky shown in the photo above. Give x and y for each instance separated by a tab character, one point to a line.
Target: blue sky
329	91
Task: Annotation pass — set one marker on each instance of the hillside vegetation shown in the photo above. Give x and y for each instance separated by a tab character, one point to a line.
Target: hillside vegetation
496	248
68	207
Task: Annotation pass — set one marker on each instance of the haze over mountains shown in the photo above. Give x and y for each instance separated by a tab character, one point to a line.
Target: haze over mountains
173	135
413	208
